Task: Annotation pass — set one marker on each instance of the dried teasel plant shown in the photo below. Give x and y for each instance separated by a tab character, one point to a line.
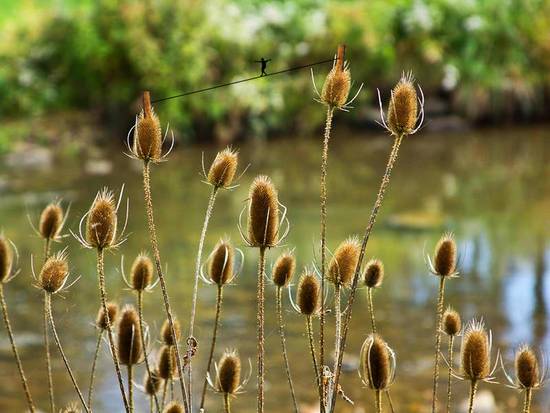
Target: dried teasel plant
452	326
372	278
167	369
151	386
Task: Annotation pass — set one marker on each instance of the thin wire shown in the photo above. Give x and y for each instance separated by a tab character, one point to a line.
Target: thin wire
242	80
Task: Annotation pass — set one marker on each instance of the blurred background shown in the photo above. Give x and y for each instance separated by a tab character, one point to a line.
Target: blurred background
71	73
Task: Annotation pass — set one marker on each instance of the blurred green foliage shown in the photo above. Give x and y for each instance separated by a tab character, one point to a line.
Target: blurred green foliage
487	58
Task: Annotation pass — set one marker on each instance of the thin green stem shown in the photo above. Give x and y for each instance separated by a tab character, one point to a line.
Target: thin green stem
450	375
371	310
473	390
440	304
130	369
226	403
22	376
94	365
309	329
63	356
279	306
527	400
261	321
47	337
378	401
142	334
219	299
156	254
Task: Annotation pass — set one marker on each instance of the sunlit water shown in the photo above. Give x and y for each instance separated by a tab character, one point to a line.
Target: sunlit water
490	188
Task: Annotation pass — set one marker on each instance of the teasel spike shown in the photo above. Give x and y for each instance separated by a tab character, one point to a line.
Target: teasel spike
223	169
54	273
452	324
173	407
344	261
444	261
221	263
142	272
52	221
529	373
166	333
239	264
7	250
72	407
283	269
101	320
373	275
167	363
130	346
378	363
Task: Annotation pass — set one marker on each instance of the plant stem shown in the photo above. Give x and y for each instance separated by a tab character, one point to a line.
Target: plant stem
63	356
156	254
130	387
324	166
219	299
23	378
309	328
377	204
527	402
378	401
103	295
338	320
150	404
142	334
449	378
226	404
47	337
261	321
371	310
207	216
94	364
473	389
279	306
440	303
164	391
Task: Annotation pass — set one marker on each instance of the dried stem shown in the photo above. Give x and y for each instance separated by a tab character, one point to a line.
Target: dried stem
440	303
130	369
279	306
378	401
309	328
151	404
94	364
142	334
47	337
337	320
198	262
156	254
226	403
473	390
371	310
377	204
63	356
260	319
450	376
527	401
164	391
24	383
219	299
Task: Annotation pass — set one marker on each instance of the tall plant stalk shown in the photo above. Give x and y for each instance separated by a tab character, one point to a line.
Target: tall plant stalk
378	401
219	300
527	400
156	254
450	376
279	306
142	334
311	338
30	402
47	336
130	370
226	403
260	321
370	305
374	213
94	365
440	303
337	319
473	390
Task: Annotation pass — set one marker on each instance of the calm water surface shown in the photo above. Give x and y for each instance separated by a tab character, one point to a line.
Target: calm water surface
491	188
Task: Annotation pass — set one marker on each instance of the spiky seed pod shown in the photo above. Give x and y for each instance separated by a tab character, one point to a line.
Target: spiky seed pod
474	354
101	320
223	169
376	363
71	408
444	260
309	294
283	269
167	362
141	274
527	368
403	107
342	265
166	333
374	273
173	407
229	373
54	273
221	263
336	87
130	346
452	323
102	221
151	383
51	221
263	216
148	134
6	259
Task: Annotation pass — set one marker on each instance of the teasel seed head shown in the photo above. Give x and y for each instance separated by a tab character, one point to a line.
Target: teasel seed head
141	274
283	269
452	323
263	218
374	273
229	373
344	262
445	255
377	363
51	221
173	407
130	346
101	320
166	333
336	88
222	263
151	383
223	169
101	225
147	133
6	259
71	408
54	273
167	362
308	295
527	368
403	107
475	352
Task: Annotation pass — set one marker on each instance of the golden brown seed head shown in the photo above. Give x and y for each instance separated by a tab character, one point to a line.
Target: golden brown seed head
344	262
309	294
374	273
173	407
444	260
452	323
229	373
336	87
223	169
283	270
527	368
130	346
147	134
51	221
263	215
376	363
141	274
6	259
54	273
221	263
475	357
166	333
167	362
102	221
403	107
151	383
101	320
